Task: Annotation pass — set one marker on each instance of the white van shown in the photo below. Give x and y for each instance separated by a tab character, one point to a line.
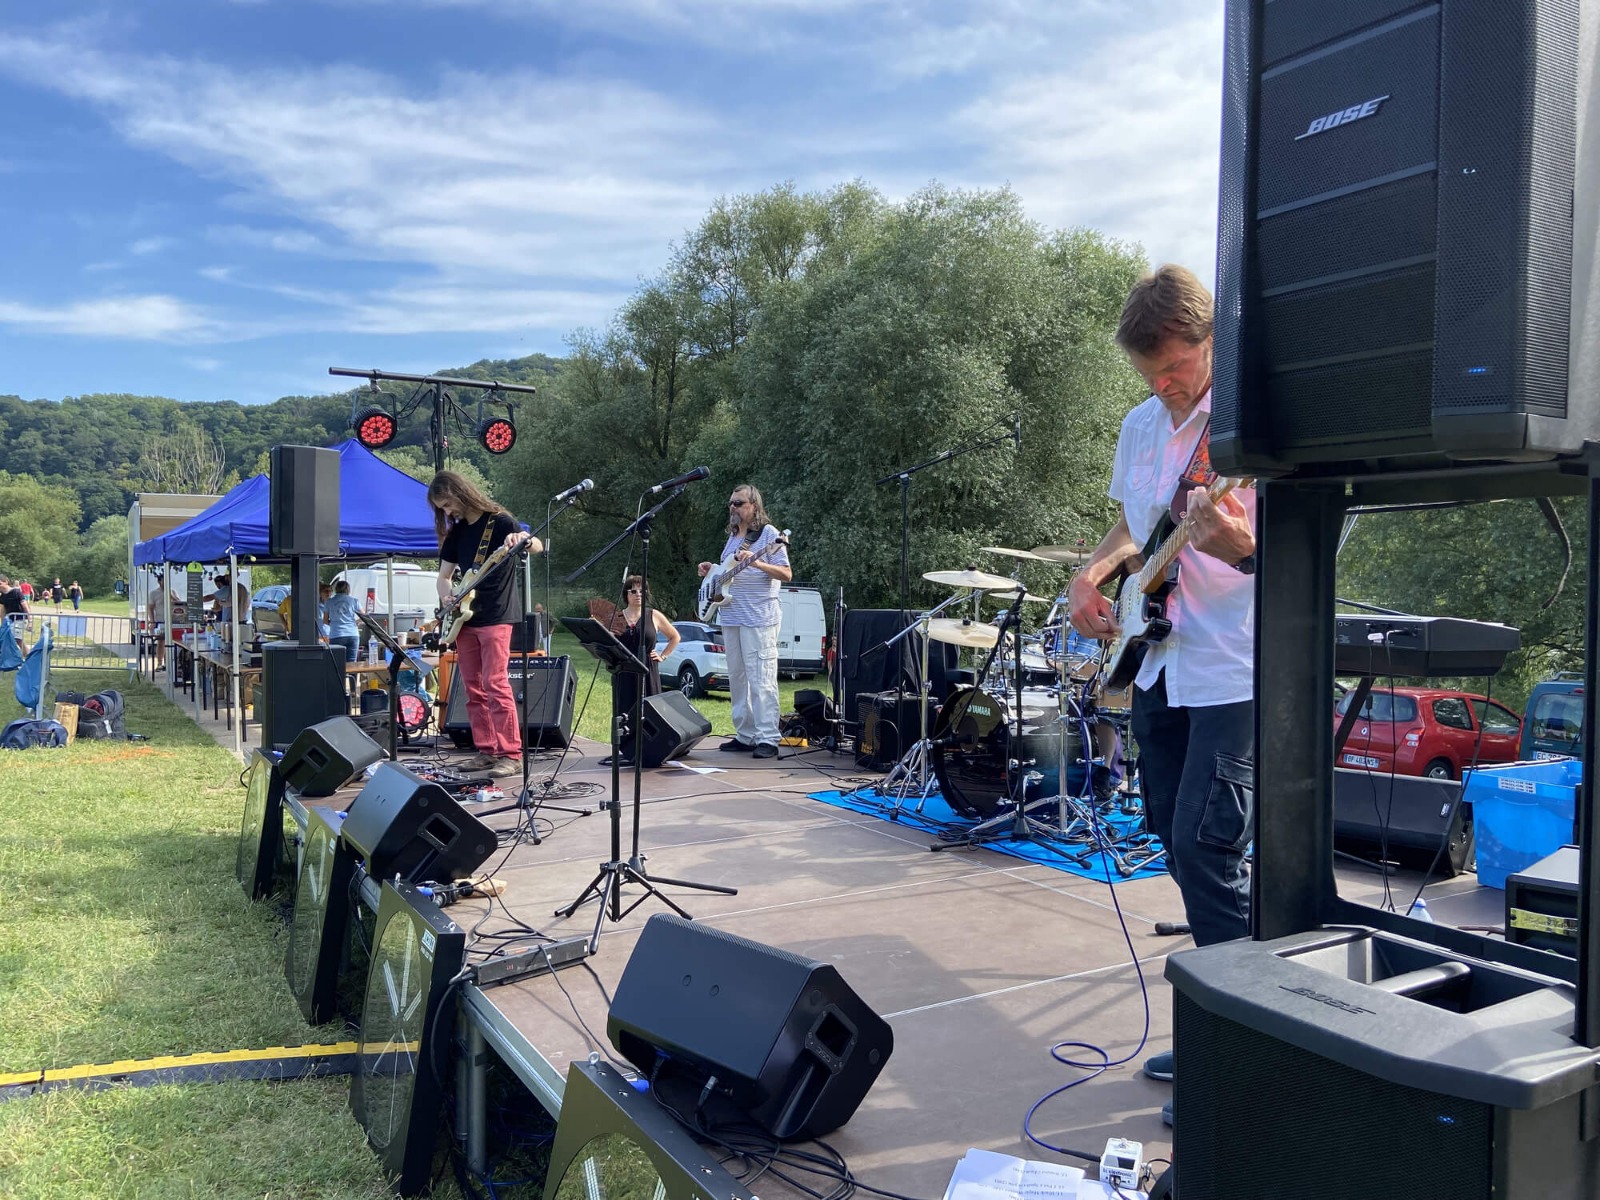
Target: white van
416	594
803	635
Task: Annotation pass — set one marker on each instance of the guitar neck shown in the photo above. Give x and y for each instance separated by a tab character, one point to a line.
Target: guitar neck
1155	571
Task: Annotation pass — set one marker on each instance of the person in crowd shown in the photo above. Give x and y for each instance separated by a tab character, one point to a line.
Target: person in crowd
750	621
339	611
12	602
625	684
76	592
58	593
1193	702
471	527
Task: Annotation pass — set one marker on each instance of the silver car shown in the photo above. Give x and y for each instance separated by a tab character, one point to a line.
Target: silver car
699	663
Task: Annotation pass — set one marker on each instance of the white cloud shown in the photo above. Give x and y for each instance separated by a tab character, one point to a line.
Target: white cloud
151	245
135	318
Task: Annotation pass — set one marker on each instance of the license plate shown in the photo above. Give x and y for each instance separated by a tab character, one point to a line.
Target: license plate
1360	760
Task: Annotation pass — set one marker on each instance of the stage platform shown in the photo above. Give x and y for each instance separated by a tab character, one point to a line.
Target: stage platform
980	962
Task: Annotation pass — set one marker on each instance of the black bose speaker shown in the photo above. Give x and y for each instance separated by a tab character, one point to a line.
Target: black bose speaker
551	696
1346	1063
1395	279
672	727
326	756
303	501
402	827
300	687
1407	819
789	1042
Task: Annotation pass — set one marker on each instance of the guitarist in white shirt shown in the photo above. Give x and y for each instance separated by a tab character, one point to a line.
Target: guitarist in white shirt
750	621
471	527
1193	705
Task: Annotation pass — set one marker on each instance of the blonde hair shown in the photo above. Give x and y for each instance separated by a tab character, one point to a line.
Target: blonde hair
1169	302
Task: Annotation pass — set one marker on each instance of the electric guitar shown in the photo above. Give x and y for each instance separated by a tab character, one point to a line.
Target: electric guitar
713	588
1142	600
457	611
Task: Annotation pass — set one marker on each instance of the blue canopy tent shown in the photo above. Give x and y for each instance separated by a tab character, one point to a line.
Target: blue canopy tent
382	511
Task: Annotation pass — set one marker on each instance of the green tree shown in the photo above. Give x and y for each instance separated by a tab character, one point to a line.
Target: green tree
39	521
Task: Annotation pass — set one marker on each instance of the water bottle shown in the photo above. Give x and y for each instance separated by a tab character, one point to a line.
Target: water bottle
372	650
1419	910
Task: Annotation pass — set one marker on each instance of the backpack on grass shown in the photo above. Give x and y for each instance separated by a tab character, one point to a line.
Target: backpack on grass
26	734
100	716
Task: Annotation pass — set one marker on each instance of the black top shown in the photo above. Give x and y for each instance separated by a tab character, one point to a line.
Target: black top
11	601
494	601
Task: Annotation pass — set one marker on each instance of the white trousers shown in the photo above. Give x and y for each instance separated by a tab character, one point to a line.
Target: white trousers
753	681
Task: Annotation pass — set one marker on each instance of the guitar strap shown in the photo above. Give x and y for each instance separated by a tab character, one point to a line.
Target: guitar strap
1198	474
483	544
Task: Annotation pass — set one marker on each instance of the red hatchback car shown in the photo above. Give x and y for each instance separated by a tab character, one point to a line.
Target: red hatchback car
1428	731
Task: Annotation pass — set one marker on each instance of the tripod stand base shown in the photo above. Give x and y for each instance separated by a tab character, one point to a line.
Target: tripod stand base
607	886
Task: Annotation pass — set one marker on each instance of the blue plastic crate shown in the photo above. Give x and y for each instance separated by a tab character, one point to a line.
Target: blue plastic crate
1521	813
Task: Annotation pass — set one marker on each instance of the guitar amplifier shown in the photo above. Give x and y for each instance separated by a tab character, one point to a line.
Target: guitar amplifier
547	701
887	727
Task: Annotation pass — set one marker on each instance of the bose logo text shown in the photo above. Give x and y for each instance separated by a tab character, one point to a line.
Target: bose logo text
1356	112
1330	1001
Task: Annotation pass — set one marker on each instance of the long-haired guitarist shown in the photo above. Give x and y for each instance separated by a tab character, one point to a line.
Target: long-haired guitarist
750	621
1193	704
471	527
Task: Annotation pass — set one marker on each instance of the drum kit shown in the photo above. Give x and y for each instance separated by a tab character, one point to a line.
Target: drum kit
1031	750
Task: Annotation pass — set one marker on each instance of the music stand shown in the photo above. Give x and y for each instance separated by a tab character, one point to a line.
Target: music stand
399	656
607	883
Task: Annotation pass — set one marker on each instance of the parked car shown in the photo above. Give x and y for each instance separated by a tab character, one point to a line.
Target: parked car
1428	731
264	609
1552	724
699	663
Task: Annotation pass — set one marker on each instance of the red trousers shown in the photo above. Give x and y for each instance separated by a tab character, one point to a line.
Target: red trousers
483	655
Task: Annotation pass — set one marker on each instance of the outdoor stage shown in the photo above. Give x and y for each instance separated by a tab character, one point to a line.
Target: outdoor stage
980	962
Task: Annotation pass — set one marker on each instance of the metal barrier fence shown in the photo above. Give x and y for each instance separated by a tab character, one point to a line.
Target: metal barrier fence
88	641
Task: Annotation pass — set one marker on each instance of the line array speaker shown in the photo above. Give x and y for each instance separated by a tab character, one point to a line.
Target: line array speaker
303	501
787	1039
1395	258
551	696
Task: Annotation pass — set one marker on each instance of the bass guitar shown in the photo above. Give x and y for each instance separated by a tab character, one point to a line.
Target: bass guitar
713	588
1142	599
457	611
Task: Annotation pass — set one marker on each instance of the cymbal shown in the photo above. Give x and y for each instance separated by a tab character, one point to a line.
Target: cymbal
969	578
1010	553
1027	597
1075	552
962	633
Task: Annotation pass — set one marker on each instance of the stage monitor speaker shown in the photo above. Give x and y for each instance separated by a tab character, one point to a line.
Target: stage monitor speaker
1408	819
551	697
403	827
328	755
672	727
870	667
261	841
300	686
887	726
303	501
1346	1063
320	922
397	1088
614	1140
1395	257
1541	908
789	1042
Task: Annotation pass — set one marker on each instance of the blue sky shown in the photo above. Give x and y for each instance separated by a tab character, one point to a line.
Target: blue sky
220	199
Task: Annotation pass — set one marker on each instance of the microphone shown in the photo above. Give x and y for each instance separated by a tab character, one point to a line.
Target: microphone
1016	430
693	476
576	489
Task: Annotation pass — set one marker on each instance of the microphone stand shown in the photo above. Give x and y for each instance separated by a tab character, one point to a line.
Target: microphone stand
608	882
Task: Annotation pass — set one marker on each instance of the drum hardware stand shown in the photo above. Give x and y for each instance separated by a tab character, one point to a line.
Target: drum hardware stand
914	771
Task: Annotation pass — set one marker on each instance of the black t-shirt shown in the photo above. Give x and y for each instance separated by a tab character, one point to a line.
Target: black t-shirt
494	601
11	601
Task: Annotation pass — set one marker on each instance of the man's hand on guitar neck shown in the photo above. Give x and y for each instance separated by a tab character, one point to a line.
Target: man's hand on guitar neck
1221	528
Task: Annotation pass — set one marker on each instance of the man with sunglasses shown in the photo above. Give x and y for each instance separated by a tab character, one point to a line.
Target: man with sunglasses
750	621
1193	703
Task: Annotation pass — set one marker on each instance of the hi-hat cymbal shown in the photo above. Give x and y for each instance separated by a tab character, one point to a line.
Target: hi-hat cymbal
970	578
1075	552
1008	597
962	633
1010	553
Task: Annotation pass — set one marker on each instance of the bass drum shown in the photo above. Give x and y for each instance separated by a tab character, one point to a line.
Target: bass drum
978	772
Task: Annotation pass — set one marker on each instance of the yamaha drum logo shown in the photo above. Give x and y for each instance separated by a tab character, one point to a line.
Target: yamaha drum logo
1344	116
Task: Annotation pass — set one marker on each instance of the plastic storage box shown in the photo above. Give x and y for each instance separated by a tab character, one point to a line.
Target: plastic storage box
1522	813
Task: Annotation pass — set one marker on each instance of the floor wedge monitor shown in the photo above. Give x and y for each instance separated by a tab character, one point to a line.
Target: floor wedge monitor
672	727
1349	1062
791	1045
1418	822
403	827
1395	256
398	1085
326	756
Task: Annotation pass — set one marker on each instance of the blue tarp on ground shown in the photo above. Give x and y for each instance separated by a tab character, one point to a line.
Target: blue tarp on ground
382	511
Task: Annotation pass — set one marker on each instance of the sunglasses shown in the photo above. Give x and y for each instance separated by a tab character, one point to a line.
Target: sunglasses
737	503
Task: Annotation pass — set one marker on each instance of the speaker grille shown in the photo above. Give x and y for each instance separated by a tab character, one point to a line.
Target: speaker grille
1259	1119
1295	26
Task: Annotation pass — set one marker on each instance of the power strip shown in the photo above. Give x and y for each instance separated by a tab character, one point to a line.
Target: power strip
536	961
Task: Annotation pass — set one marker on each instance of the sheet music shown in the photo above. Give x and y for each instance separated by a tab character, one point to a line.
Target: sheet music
986	1175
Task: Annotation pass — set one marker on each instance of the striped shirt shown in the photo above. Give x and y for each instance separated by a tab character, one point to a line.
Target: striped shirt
752	593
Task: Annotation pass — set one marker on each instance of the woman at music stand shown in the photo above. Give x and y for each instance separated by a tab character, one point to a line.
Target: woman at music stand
625	684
